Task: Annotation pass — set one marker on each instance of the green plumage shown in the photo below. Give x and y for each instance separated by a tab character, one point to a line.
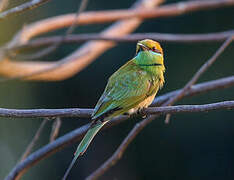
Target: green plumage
131	88
126	88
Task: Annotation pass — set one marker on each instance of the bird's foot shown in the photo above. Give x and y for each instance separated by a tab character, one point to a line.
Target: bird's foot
141	112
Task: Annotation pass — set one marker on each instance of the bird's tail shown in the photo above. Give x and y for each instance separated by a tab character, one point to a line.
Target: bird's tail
85	143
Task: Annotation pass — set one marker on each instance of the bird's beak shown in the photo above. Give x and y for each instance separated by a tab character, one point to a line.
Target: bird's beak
142	46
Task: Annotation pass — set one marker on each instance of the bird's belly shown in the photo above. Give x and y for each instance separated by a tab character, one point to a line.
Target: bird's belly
143	104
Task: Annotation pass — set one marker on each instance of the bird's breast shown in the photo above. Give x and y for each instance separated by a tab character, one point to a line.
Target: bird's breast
143	104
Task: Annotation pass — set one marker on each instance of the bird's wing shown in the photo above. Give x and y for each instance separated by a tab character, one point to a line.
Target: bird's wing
125	89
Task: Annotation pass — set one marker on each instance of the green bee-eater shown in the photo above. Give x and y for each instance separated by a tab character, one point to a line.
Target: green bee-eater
130	89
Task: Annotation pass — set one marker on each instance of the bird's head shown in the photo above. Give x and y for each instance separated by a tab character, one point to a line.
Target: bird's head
149	45
149	55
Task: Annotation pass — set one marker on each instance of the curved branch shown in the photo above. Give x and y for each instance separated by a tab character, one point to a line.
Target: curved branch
75	135
74	63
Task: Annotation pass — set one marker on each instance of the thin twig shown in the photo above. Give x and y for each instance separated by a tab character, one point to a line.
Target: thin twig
22	8
140	126
162	37
34	140
55	129
75	135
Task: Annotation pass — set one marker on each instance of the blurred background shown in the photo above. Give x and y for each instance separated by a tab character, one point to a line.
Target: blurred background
192	146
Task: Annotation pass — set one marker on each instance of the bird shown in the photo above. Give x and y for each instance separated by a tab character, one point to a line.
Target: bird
129	90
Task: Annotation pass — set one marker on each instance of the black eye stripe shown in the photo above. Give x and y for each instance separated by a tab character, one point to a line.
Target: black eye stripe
155	50
147	48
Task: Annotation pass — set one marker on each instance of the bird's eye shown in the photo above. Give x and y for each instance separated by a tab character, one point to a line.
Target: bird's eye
155	50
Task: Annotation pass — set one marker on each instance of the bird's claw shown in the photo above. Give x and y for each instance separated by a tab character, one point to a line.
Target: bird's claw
141	112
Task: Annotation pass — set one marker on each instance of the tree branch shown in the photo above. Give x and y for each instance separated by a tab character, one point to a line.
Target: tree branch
34	140
79	112
75	135
162	37
228	105
22	8
55	129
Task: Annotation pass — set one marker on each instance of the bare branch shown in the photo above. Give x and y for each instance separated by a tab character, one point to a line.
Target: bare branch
190	108
34	140
79	112
9	68
75	135
162	37
55	129
21	8
38	113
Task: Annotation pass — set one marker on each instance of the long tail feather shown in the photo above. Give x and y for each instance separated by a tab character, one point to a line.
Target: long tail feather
84	144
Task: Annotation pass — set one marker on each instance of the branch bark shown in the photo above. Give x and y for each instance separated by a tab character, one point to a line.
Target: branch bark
162	37
34	140
79	112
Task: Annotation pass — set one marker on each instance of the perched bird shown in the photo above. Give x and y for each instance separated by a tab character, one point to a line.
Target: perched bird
131	88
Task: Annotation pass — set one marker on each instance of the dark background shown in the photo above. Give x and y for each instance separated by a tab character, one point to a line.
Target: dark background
192	146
